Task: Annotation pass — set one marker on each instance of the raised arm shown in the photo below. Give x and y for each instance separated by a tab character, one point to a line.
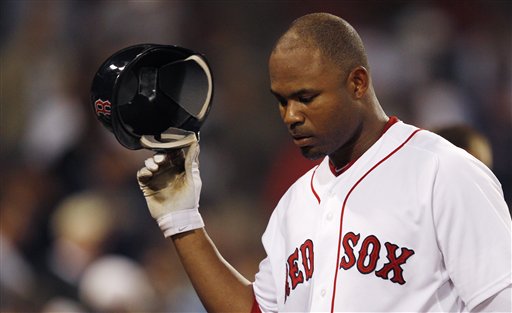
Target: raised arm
219	286
172	185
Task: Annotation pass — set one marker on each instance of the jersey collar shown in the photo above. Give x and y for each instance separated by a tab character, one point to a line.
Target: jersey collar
338	171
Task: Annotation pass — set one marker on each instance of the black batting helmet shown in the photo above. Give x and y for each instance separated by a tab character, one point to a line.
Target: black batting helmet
153	96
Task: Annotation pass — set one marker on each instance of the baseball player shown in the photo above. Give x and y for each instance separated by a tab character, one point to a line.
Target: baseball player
395	218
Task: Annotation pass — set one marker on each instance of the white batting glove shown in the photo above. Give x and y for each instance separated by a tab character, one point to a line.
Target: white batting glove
172	185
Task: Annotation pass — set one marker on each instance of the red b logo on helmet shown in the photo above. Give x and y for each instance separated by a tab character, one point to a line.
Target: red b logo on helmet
103	107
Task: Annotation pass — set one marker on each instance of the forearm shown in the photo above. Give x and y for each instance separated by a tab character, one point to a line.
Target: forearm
171	185
219	286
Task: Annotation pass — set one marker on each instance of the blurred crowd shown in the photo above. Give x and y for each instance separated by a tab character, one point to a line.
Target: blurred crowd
75	234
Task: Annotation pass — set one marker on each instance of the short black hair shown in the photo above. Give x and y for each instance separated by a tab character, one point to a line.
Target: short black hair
335	38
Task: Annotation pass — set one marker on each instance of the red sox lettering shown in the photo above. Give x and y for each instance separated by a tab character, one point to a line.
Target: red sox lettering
297	272
367	261
300	265
103	107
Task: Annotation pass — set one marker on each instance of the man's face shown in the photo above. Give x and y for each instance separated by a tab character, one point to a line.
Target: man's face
314	101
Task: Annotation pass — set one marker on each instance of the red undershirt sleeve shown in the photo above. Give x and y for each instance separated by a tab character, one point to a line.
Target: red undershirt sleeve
255	307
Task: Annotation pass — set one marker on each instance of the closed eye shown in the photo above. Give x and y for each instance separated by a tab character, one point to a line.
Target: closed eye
306	99
282	101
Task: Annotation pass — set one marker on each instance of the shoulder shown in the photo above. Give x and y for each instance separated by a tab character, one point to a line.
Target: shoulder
436	161
446	155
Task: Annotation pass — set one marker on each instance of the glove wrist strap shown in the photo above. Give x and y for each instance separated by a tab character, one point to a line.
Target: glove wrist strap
180	221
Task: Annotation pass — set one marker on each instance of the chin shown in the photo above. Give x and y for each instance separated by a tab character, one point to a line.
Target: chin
310	153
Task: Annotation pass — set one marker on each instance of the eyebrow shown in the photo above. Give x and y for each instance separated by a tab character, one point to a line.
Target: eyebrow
293	94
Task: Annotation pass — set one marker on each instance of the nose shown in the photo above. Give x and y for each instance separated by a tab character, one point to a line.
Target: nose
292	114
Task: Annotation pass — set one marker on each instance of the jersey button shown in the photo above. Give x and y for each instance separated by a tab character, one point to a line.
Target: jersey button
322	293
329	216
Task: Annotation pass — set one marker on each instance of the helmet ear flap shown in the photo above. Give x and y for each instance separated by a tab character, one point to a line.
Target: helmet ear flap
149	90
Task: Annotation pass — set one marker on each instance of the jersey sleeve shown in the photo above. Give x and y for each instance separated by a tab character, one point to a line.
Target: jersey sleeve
266	285
473	228
264	288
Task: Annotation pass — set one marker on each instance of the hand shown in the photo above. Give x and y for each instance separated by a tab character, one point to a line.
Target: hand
171	184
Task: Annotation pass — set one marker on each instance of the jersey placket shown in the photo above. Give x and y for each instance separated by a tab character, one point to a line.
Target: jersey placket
326	243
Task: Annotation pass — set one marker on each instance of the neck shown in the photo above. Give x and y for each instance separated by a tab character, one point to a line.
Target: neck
365	136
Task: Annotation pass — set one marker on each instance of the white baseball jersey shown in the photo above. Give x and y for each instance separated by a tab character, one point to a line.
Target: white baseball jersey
415	224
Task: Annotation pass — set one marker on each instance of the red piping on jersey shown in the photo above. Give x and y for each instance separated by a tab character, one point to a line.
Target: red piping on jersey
312	187
338	171
343	211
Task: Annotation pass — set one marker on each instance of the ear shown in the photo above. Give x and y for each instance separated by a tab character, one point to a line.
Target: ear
358	82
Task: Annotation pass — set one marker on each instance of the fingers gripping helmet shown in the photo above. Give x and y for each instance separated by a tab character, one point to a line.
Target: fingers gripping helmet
153	96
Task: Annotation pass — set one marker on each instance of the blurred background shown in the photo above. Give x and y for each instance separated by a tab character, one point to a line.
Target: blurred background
75	234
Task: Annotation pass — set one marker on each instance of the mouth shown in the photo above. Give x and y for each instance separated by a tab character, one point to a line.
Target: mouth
302	141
